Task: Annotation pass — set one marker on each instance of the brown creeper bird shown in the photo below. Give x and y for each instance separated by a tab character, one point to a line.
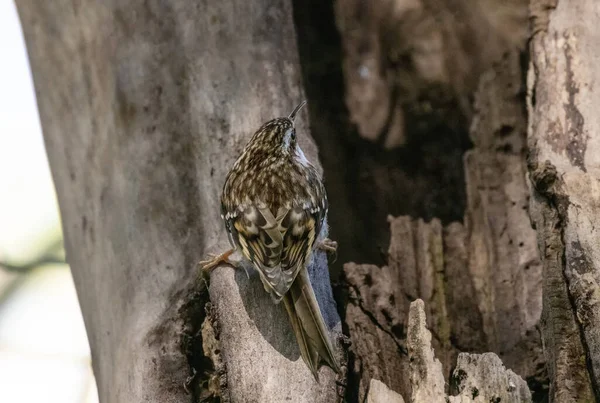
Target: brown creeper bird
274	207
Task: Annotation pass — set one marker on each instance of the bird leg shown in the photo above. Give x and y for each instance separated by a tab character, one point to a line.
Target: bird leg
328	246
214	260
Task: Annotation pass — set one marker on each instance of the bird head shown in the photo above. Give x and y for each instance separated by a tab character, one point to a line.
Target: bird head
277	134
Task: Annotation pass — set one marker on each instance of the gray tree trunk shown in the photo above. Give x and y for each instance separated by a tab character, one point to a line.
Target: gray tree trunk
144	107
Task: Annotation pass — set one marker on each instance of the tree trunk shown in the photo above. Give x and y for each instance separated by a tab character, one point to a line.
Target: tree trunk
438	71
144	107
564	125
418	108
482	280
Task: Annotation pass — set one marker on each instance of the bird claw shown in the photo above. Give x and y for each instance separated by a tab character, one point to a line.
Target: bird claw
189	380
214	260
329	246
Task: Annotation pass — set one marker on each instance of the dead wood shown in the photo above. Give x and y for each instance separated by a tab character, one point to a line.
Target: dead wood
563	165
480	280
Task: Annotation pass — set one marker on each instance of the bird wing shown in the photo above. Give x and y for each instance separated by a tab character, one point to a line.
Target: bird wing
300	228
278	245
256	231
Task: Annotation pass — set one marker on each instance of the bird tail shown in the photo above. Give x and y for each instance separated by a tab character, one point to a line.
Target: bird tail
308	325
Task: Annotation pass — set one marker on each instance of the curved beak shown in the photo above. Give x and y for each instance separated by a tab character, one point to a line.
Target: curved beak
296	110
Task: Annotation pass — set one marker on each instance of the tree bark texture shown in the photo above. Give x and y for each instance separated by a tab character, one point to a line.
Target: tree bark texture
564	164
477	378
480	278
419	112
390	88
144	107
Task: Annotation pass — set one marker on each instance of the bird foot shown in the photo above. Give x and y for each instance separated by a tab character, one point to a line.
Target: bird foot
328	246
214	260
189	380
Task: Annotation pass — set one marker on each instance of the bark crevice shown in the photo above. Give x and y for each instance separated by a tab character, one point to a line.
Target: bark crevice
564	207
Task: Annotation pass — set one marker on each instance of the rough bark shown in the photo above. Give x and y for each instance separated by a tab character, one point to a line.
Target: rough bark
482	378
481	280
144	106
479	378
418	109
563	103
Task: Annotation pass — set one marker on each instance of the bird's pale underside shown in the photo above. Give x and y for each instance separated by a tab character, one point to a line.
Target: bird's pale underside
274	207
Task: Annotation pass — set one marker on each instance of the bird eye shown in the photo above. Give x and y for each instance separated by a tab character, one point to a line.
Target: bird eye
289	137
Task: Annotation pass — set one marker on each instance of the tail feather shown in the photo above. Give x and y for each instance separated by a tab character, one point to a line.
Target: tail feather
309	355
308	325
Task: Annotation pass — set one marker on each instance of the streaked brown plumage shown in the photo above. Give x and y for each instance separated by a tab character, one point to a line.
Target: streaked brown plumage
274	207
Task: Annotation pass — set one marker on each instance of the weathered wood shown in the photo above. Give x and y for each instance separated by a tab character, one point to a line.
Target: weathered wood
479	378
426	374
403	72
564	143
380	393
482	378
481	280
144	107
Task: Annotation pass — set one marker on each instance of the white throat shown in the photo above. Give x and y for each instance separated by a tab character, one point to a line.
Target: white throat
301	156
